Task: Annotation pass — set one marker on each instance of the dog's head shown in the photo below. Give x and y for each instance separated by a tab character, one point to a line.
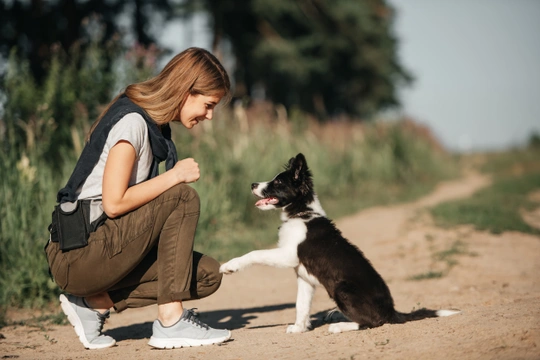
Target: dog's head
292	186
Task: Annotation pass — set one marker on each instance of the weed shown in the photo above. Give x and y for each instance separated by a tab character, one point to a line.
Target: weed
40	322
457	248
49	339
427	275
448	257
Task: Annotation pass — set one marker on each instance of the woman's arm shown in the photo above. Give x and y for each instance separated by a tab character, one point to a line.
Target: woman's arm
119	199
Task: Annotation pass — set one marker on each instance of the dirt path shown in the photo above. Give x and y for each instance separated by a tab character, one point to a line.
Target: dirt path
493	279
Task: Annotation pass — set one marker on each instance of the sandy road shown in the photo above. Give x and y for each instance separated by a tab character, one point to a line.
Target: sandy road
494	280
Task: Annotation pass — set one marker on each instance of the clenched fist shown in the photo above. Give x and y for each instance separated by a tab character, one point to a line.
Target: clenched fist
187	170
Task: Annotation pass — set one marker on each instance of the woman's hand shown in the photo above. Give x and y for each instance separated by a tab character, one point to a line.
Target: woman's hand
187	170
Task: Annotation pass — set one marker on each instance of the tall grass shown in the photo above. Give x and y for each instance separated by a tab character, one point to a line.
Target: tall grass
354	166
361	165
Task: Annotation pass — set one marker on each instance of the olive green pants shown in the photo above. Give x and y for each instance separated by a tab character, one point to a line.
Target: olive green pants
141	258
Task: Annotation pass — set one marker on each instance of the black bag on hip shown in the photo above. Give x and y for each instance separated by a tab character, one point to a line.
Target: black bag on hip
71	225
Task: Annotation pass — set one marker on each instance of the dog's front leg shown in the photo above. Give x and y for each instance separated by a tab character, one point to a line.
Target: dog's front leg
279	257
303	307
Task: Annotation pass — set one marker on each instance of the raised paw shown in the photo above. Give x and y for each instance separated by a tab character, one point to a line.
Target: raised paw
230	266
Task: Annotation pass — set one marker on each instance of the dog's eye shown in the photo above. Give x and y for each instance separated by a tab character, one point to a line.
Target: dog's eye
277	182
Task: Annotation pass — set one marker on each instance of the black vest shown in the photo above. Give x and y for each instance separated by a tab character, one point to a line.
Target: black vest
160	141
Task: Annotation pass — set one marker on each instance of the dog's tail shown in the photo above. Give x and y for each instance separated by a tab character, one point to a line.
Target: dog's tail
400	318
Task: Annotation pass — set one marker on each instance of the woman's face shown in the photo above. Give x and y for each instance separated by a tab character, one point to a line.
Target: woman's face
198	108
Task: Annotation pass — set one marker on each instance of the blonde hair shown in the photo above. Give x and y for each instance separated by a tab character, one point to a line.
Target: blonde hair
194	71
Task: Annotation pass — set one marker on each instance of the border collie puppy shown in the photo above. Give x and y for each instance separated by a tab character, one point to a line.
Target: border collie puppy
310	243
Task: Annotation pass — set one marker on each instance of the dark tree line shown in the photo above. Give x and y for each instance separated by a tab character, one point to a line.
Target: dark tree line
34	27
326	57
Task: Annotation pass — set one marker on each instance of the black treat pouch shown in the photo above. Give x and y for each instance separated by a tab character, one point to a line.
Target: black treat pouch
70	225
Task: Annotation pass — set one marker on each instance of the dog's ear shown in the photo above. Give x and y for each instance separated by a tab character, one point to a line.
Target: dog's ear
290	164
299	166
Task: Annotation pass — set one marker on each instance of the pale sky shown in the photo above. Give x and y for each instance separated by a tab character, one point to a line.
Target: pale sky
476	64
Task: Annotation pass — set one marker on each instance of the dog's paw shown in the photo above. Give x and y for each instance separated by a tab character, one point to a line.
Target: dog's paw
230	267
334	329
295	329
342	327
334	315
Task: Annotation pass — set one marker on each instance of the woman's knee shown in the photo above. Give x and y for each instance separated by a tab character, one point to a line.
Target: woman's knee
208	276
185	193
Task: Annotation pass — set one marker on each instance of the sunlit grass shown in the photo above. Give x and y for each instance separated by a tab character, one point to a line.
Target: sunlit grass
368	165
497	208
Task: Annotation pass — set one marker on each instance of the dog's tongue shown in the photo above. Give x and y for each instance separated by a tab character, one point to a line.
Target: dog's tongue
267	201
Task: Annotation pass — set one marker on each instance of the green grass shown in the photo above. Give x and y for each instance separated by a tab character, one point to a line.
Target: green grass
497	208
427	276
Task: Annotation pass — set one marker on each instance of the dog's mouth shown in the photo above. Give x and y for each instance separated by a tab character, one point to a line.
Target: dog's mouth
267	201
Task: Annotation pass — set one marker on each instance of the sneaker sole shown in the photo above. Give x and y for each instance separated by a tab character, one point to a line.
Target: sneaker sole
161	343
77	325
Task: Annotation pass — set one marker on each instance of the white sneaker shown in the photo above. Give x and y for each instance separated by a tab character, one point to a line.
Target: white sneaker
87	322
188	331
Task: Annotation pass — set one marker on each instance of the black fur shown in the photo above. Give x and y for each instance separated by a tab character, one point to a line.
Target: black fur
292	187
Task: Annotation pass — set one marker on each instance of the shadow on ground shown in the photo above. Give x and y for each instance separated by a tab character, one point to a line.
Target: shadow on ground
231	319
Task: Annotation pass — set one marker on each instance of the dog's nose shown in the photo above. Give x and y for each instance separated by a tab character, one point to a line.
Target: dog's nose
254	186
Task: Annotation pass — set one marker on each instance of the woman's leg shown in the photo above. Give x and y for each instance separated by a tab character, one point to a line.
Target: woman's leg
119	245
140	287
117	248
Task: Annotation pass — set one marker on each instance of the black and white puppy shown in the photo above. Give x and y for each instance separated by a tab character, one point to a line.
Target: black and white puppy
310	243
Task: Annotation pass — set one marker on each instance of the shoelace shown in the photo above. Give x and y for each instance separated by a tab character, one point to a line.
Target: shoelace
102	318
190	316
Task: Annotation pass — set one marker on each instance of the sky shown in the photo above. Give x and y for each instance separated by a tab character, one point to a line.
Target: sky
477	69
476	65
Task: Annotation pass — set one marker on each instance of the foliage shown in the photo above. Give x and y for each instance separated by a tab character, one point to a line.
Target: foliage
27	184
36	28
498	208
534	140
41	132
325	57
57	113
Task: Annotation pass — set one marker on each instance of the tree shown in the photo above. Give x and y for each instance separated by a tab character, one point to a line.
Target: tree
34	27
323	56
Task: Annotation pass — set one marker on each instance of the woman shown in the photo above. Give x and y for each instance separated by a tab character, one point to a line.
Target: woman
139	250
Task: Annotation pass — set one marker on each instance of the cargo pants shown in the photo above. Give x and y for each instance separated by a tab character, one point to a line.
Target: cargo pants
141	258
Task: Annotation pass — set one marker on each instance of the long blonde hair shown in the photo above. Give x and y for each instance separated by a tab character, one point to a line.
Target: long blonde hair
194	71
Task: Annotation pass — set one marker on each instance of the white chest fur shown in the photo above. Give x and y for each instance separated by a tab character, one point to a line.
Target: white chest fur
292	233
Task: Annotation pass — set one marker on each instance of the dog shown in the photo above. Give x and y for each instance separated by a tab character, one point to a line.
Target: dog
310	243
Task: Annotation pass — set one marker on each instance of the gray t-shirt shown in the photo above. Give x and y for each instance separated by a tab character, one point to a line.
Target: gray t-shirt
131	128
